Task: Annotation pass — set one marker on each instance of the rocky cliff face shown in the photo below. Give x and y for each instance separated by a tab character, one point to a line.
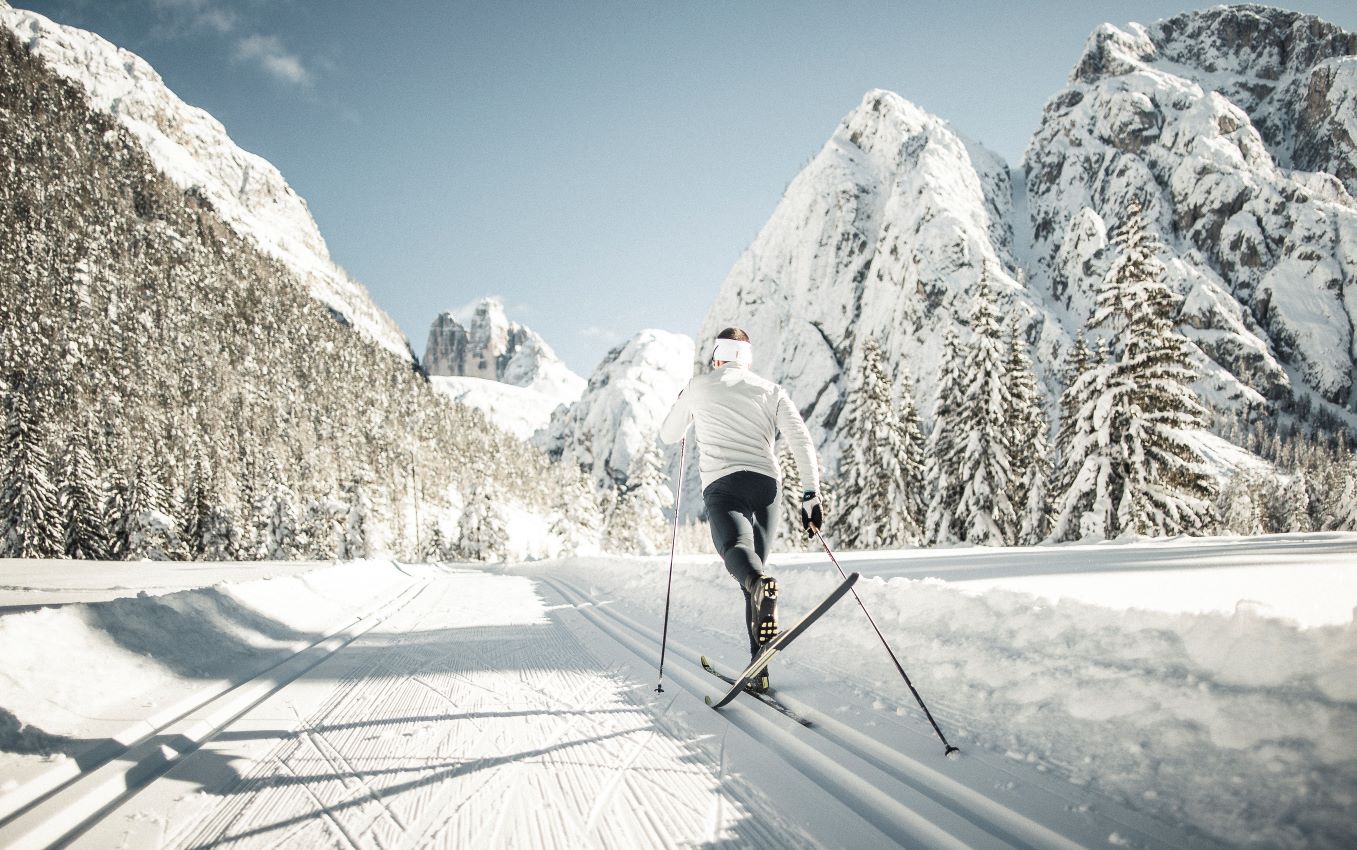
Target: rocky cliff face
1233	127
622	408
489	346
884	234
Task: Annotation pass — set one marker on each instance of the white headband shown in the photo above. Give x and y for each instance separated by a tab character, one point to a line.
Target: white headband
733	350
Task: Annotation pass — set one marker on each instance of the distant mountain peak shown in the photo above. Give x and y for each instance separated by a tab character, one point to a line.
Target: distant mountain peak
487	345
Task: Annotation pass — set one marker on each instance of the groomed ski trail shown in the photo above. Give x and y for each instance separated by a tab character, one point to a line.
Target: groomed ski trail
475	717
497	711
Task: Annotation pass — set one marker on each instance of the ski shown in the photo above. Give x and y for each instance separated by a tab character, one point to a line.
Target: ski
778	643
770	701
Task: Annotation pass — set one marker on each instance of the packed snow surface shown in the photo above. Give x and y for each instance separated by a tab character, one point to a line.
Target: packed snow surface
1184	693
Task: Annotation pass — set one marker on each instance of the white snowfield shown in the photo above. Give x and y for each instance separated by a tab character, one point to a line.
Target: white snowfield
1169	694
520	411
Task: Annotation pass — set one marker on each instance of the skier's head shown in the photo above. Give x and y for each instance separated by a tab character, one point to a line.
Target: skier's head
732	345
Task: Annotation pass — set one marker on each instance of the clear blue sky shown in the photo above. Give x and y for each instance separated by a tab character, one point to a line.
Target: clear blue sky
598	165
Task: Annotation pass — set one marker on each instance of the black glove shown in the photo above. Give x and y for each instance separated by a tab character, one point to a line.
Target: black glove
812	514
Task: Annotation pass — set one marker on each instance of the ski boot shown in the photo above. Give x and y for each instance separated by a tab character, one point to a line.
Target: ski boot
764	597
759	684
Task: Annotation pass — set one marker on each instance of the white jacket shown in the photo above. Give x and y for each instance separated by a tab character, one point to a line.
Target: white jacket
736	416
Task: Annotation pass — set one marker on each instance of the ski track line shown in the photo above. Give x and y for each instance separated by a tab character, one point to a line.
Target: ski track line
1142	829
1003	823
14	801
472	737
53	814
900	822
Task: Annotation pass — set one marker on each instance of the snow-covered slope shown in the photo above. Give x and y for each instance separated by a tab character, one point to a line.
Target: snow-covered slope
626	400
1205	119
491	347
884	234
193	149
518	410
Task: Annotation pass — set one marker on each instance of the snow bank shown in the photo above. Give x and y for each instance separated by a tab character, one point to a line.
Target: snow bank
77	674
1238	724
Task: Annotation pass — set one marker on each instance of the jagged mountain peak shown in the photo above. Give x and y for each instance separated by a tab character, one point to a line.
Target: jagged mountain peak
1293	75
884	234
1234	128
1264	43
485	344
627	398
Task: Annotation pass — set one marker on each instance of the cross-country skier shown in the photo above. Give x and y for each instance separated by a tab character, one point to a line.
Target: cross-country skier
736	416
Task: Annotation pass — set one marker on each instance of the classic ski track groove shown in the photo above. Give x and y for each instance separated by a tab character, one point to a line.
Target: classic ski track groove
1007	826
419	740
57	803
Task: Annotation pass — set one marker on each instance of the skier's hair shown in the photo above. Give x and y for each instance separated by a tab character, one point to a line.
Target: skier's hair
733	333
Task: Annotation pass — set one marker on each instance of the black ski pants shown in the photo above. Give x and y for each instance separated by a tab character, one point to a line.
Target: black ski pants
742	512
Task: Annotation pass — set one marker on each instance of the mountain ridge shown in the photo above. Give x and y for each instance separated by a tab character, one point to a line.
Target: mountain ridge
194	150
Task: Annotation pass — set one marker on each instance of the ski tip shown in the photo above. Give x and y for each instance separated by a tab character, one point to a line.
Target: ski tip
853	577
707	700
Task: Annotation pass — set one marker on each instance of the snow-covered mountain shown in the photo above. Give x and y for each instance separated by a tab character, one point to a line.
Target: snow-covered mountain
1234	127
193	149
626	400
884	234
491	347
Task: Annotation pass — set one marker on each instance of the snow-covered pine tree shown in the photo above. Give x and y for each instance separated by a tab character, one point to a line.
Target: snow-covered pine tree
984	512
1164	489
282	541
1238	505
118	514
637	523
483	536
434	546
1129	466
1077	361
142	526
82	502
197	507
354	539
791	535
1027	447
576	510
30	519
1081	505
942	460
912	452
321	523
1342	514
1295	503
874	473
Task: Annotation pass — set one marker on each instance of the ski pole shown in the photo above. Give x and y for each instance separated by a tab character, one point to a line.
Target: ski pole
950	750
673	545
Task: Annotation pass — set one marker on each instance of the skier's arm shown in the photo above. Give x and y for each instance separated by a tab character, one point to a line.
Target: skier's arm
797	435
675	425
